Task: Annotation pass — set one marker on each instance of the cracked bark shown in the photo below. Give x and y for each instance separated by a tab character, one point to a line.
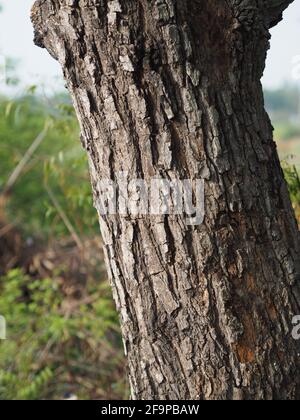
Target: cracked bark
172	88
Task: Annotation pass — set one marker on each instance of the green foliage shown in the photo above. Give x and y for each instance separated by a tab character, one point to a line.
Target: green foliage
58	164
55	344
53	348
292	177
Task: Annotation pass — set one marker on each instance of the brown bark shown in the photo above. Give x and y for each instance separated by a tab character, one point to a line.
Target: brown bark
172	88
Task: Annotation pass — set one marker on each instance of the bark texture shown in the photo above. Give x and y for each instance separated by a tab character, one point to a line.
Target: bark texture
172	89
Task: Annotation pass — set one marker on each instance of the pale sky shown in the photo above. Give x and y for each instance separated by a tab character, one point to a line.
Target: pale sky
36	66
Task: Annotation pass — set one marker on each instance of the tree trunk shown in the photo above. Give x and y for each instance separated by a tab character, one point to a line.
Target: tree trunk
172	89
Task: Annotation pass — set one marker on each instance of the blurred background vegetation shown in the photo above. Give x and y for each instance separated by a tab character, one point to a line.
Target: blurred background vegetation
283	105
63	333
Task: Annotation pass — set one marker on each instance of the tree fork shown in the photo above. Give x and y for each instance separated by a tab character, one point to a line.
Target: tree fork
172	89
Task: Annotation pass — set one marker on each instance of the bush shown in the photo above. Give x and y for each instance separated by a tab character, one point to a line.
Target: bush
54	348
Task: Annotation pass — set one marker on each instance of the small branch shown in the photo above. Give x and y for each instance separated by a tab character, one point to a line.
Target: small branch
26	158
64	217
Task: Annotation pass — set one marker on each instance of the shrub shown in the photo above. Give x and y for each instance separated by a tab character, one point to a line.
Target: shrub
53	347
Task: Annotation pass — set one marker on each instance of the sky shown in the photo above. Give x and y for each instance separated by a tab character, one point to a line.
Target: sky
37	67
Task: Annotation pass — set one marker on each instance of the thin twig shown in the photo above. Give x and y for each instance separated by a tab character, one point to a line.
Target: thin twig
64	217
25	159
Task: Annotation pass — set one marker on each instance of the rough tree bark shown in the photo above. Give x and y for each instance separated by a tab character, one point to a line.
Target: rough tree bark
172	88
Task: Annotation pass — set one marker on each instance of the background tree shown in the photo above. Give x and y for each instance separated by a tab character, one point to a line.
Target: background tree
172	88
